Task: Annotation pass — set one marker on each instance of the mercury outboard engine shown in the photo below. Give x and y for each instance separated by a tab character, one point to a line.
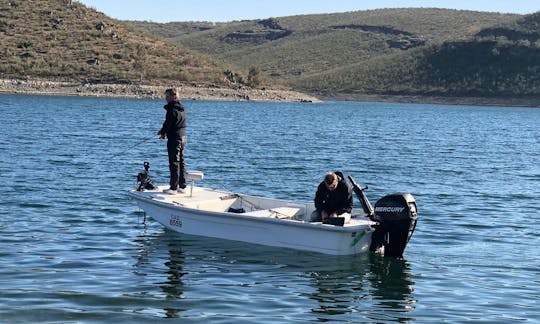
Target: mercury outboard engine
396	217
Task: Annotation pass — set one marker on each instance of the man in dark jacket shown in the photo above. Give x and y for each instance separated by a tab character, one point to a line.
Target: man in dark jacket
174	128
332	199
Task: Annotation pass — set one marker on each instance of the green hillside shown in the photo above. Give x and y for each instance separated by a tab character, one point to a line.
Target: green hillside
383	52
388	51
501	61
64	40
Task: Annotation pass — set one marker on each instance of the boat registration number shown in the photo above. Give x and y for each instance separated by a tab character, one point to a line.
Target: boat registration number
175	221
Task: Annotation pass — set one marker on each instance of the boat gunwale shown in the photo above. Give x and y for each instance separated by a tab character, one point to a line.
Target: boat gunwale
219	214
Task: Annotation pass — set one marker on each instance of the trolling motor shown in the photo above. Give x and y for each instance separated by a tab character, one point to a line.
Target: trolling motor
144	180
396	217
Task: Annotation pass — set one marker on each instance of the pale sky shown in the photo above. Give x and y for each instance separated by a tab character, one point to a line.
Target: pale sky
229	10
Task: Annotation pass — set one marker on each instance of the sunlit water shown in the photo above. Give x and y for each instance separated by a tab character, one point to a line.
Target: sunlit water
75	249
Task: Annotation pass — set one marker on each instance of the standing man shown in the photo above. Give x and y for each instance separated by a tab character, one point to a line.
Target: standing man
174	128
332	199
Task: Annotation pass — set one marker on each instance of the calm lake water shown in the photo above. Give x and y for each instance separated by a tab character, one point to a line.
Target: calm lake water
75	249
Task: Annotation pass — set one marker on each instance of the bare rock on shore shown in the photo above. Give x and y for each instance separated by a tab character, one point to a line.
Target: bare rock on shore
187	92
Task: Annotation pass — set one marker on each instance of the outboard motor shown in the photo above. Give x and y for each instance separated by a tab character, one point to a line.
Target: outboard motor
396	215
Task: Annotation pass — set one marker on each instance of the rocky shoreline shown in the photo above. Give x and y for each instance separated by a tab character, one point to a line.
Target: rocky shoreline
187	92
532	102
197	92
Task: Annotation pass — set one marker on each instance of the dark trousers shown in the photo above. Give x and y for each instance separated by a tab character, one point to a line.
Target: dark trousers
177	165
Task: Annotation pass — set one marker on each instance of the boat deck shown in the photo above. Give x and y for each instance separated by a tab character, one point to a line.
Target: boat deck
221	201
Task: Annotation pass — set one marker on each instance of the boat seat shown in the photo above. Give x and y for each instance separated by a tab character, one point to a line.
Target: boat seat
216	205
193	175
279	212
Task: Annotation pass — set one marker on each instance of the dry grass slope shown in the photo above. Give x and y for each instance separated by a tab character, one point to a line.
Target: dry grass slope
64	40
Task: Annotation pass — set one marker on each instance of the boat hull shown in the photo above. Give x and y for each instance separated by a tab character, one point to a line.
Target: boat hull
254	227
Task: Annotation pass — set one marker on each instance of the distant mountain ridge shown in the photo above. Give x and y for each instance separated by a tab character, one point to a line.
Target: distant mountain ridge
387	52
418	52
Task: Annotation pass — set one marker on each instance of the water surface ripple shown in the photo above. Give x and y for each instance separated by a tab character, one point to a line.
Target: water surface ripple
75	249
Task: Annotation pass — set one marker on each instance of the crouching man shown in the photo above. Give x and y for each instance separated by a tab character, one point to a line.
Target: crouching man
332	199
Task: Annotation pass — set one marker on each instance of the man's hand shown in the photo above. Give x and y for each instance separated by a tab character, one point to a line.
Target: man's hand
324	215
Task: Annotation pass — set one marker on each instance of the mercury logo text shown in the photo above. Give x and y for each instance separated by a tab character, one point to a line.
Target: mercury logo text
389	209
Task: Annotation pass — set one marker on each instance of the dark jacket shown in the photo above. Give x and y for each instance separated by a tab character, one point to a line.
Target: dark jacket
339	200
174	125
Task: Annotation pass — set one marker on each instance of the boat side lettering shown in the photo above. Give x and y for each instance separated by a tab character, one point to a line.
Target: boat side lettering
175	221
389	209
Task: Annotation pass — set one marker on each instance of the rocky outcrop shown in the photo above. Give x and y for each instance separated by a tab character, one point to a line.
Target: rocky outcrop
187	92
375	29
271	30
406	43
256	36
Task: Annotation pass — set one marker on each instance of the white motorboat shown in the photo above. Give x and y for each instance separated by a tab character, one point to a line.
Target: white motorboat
272	222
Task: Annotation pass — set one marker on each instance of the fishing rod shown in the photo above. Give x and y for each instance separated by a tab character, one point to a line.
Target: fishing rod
133	146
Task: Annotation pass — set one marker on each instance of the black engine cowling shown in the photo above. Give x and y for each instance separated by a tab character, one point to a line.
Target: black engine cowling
397	216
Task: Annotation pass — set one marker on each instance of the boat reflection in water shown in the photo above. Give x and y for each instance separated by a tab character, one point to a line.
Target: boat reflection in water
173	286
379	287
163	272
392	287
198	278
